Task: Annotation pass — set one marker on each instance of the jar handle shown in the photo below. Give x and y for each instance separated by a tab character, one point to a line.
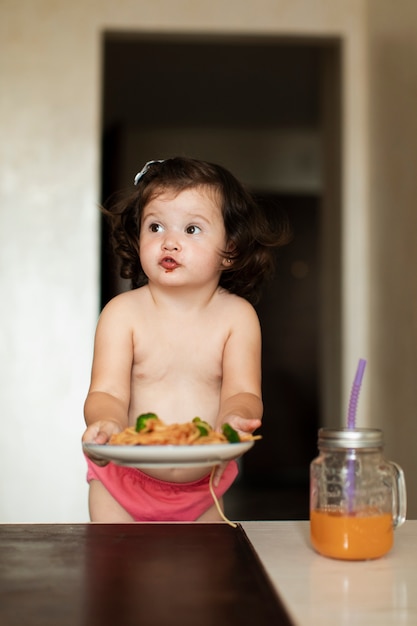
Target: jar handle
399	502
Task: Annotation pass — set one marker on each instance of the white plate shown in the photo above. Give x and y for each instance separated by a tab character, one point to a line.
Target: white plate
169	456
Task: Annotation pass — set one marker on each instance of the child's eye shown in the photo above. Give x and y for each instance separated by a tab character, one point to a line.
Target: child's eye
155	228
192	229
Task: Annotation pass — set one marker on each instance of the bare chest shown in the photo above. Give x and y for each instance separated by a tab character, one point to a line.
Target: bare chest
184	352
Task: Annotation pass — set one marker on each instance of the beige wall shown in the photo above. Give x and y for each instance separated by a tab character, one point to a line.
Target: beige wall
50	126
393	230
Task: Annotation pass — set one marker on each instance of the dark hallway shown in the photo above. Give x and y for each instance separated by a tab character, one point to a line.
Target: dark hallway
255	105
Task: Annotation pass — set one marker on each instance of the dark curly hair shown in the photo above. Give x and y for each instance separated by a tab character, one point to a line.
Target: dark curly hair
251	236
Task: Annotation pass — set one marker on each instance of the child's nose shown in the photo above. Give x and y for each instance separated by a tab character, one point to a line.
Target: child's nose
171	242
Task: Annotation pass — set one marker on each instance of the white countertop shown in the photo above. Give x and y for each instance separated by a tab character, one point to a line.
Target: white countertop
326	592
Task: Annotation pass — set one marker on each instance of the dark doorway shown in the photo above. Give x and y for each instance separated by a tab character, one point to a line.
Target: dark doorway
268	109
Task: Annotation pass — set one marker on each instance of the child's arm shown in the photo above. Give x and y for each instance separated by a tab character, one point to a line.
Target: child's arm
241	401
107	403
243	412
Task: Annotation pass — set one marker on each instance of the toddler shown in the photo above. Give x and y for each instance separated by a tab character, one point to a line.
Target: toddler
186	340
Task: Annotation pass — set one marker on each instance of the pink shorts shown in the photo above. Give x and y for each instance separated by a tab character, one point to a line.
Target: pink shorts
149	499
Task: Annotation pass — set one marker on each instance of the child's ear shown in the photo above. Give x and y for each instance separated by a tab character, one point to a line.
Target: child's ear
227	262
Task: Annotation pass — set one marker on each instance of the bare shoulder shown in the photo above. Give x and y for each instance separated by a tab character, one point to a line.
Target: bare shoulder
237	309
124	305
127	299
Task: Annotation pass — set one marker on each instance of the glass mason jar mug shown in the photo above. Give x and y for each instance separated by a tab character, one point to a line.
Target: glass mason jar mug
357	497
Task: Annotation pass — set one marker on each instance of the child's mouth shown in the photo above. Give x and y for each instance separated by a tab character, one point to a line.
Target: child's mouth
169	264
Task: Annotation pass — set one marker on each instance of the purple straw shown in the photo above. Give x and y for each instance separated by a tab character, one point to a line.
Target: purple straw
354	395
353	404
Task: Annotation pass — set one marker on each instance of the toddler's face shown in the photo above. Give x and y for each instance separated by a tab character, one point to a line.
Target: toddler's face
182	238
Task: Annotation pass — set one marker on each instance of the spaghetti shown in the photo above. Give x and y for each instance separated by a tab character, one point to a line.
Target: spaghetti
153	431
217	503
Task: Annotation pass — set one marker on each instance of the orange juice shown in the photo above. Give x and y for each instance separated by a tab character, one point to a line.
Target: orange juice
352	537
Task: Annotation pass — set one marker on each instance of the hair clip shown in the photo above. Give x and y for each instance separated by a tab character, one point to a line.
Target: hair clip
144	169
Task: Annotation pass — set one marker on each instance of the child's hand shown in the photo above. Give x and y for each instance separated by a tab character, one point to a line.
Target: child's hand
243	426
100	432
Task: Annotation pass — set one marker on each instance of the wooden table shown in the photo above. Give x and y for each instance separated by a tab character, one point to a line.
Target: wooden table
133	575
263	573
